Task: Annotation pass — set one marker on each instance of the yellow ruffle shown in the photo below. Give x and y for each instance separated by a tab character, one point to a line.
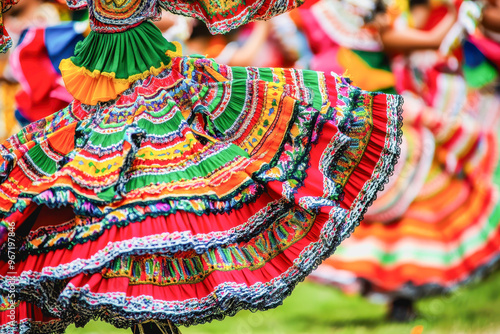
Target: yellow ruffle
91	87
177	52
362	75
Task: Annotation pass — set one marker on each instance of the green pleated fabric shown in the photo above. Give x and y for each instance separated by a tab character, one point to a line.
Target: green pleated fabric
481	75
125	54
377	60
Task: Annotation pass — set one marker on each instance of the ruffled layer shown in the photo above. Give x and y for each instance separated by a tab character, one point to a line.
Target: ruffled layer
409	177
105	65
34	319
199	192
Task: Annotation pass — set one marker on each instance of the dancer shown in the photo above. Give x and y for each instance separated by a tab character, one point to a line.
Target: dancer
432	236
174	190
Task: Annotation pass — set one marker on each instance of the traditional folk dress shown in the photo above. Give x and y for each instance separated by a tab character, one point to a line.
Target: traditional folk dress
436	225
177	189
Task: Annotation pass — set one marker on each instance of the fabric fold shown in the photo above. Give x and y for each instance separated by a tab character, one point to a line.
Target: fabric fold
105	65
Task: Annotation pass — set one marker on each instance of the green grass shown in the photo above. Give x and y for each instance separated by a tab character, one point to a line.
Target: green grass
318	309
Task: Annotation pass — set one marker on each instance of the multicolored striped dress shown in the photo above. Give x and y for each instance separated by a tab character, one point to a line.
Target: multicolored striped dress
177	189
437	223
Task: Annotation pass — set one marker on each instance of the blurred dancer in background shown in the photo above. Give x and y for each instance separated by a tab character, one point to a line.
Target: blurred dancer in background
437	224
30	13
265	44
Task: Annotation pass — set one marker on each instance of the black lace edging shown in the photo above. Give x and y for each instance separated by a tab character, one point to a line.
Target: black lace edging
35	327
393	157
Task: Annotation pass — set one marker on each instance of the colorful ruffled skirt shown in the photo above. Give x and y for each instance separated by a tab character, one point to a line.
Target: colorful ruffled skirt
196	190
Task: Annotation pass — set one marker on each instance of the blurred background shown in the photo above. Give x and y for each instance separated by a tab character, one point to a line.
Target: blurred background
426	257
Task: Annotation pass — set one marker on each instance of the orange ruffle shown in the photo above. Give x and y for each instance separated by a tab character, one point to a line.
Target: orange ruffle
90	89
